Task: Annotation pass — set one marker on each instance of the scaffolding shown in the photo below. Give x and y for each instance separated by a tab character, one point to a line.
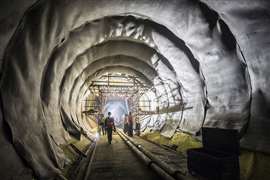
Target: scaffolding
131	89
121	86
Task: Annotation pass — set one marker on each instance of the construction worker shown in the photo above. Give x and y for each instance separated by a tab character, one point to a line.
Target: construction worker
130	125
109	124
99	123
125	123
102	124
137	127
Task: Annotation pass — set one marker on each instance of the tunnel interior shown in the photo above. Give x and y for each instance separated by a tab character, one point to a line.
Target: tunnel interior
177	66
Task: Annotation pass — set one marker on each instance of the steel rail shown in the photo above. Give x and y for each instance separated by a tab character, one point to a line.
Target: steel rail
153	162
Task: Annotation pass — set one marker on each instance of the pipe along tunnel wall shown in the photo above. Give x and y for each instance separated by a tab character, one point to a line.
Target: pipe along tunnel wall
216	53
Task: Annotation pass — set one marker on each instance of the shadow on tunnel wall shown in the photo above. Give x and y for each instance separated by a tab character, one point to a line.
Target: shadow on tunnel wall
259	124
70	127
12	165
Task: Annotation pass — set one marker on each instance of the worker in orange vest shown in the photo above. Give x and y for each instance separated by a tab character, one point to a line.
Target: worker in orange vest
109	124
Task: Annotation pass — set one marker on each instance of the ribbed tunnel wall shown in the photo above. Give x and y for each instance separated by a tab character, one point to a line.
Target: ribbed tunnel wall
217	52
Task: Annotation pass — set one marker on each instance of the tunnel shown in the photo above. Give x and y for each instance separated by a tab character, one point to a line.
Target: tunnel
178	66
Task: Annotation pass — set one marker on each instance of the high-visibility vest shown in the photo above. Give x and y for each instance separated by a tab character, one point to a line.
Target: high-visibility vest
109	122
130	119
103	120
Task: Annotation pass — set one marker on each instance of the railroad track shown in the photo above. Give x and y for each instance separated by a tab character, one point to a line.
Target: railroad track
161	168
123	159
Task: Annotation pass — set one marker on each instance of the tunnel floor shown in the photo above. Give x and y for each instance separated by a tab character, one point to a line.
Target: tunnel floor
170	157
116	161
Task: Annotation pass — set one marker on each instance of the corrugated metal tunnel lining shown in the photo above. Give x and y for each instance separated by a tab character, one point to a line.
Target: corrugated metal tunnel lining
217	59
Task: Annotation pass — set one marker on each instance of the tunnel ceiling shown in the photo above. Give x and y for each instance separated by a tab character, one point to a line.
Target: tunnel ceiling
215	52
